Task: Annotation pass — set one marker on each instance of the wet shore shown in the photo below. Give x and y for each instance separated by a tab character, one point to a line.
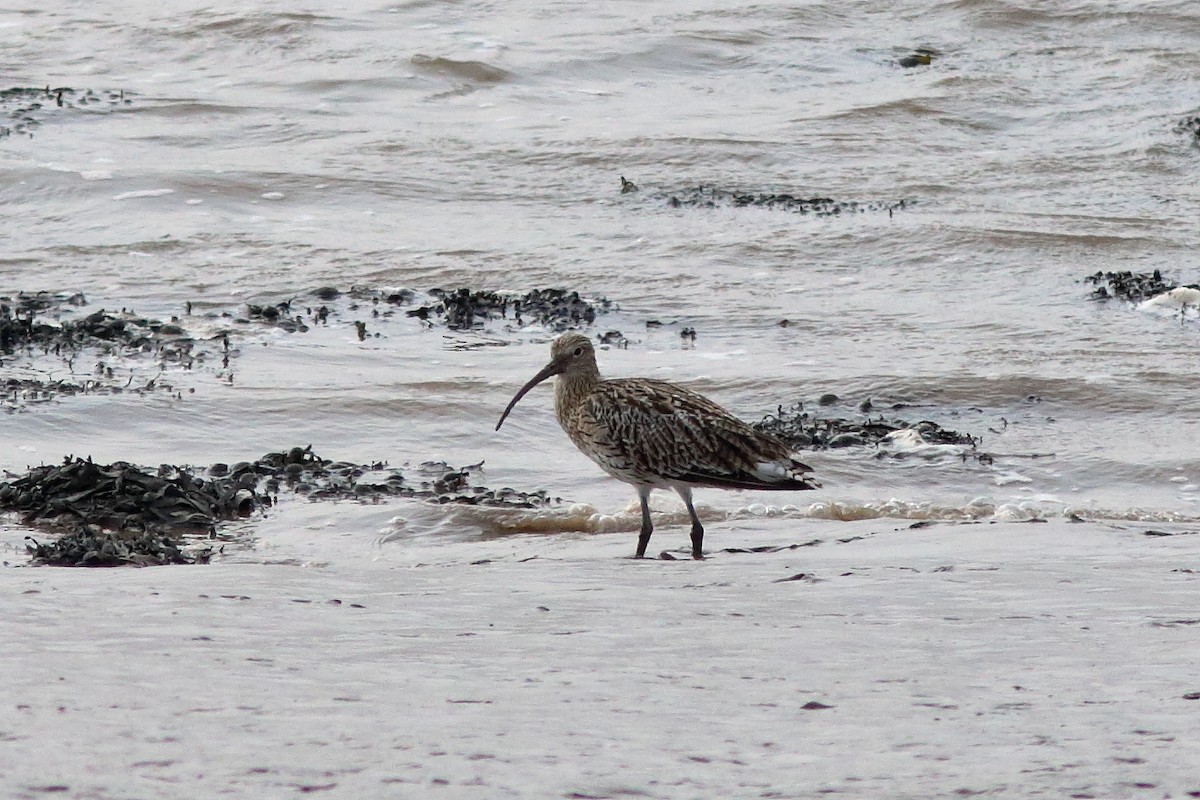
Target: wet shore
81	513
1007	659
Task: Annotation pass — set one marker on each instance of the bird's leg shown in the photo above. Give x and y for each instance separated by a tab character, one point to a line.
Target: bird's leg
647	526
697	528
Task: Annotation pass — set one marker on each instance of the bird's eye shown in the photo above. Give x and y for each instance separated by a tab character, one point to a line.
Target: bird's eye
578	351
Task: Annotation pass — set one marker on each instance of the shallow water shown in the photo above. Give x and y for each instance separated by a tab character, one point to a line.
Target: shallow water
262	154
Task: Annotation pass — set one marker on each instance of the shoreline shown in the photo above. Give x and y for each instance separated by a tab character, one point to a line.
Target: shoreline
1006	659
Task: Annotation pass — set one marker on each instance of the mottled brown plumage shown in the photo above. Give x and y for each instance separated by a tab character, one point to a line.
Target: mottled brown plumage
656	435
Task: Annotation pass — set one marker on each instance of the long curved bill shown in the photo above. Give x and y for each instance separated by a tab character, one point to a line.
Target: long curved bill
549	370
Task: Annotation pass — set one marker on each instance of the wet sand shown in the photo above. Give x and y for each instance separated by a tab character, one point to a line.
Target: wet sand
1005	659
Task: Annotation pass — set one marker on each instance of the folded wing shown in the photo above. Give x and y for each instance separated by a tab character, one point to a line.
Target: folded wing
655	432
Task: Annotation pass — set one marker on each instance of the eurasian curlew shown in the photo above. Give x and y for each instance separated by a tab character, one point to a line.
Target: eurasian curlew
656	435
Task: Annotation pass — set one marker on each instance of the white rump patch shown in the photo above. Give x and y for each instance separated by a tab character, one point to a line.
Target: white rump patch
771	471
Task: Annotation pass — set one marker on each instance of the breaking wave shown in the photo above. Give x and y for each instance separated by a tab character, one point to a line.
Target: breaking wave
469	522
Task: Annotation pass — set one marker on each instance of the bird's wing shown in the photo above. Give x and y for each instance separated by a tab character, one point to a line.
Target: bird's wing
662	430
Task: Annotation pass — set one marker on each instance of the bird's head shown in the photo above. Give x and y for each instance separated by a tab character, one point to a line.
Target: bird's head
571	355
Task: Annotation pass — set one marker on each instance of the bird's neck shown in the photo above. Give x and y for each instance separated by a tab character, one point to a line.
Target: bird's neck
570	391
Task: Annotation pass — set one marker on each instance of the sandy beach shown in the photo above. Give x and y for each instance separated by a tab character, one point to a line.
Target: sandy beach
1050	659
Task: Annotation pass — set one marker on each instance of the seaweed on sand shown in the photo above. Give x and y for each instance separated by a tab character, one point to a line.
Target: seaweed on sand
121	514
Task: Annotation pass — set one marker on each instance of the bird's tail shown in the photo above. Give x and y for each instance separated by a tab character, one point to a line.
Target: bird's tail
782	475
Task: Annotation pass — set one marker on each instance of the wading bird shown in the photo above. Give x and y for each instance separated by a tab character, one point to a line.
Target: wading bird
656	435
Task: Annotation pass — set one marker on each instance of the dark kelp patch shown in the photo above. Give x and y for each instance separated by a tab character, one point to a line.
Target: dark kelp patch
45	325
708	196
1190	127
92	546
803	430
122	514
317	307
303	472
27	107
556	309
1132	286
22	318
460	308
118	513
121	334
133	353
920	57
301	313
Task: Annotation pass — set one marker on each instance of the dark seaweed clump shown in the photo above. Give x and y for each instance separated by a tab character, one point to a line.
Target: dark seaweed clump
302	313
557	309
92	546
305	473
613	339
1191	127
122	334
132	353
27	324
280	315
20	392
121	514
38	325
707	196
800	429
27	106
921	57
459	309
1132	286
20	325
